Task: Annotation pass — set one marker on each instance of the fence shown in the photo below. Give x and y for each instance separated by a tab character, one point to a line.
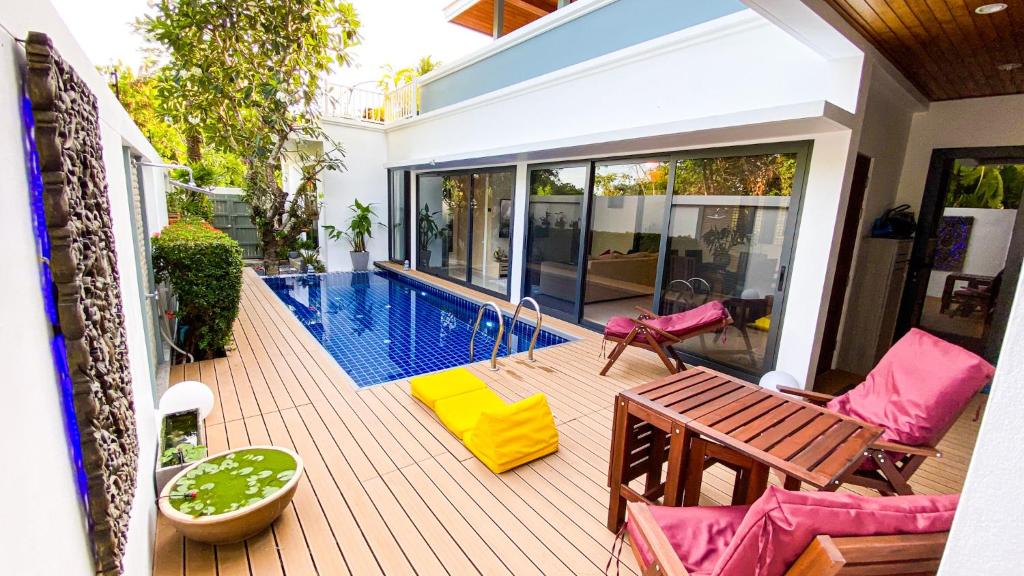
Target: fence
369	105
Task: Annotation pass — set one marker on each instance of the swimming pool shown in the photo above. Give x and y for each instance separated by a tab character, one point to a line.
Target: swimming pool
382	326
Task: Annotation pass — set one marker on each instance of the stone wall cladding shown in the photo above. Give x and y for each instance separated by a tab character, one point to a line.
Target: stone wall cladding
84	269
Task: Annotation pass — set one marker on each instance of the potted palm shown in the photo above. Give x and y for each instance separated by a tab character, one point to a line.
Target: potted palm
360	227
428	231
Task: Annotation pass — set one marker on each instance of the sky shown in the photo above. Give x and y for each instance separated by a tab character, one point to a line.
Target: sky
396	32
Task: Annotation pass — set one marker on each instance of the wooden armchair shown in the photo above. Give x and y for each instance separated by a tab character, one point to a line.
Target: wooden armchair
917	554
891	463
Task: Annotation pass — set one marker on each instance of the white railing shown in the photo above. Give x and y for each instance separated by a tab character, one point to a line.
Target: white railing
369	105
403	102
353	104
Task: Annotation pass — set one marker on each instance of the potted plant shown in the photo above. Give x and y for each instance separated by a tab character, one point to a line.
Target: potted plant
360	227
720	241
311	260
428	231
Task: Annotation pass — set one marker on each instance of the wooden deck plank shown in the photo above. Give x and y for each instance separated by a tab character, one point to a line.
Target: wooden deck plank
389	490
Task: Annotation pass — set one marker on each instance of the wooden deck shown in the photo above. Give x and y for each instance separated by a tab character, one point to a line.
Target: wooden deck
388	490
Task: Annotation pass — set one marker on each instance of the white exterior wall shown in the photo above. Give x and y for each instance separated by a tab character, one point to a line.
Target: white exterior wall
986	537
364	178
50	535
736	64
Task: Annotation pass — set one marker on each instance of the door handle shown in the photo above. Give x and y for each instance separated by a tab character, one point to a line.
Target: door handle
782	278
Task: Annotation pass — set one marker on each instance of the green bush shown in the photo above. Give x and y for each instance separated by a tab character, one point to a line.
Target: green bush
204	268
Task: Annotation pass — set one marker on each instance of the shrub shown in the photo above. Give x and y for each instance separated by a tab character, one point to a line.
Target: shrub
204	268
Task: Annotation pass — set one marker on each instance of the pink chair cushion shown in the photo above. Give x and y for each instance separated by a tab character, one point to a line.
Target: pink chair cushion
781	524
679	324
917	390
699	535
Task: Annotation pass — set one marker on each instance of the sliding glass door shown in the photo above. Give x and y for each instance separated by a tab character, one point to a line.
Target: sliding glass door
398	215
554	235
627	209
464	227
730	233
670	234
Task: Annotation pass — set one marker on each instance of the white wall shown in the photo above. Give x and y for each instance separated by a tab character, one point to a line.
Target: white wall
732	64
986	248
365	178
50	535
986	537
997	121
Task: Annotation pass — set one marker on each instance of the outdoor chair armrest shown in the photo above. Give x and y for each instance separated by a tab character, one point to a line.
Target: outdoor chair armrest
889	446
664	559
812	397
645	313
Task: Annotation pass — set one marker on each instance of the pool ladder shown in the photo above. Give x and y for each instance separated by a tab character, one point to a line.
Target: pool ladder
501	329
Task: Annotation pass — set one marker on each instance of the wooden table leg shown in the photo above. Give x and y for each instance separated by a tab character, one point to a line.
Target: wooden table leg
617	465
792	484
694	471
678	465
755	482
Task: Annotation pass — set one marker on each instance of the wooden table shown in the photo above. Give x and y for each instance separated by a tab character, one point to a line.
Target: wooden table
700	414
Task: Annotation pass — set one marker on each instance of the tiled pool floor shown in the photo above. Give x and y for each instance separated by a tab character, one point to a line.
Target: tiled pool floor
380	326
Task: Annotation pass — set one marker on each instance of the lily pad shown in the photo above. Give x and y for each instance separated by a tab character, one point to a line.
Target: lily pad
221	485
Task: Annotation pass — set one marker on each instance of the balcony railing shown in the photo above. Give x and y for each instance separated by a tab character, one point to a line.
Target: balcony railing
369	105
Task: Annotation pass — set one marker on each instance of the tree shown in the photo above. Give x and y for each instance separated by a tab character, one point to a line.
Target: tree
137	92
247	75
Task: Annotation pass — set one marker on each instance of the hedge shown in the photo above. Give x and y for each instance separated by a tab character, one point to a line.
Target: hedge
204	268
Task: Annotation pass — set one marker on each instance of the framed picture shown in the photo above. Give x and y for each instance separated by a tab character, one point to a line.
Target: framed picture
504	218
951	248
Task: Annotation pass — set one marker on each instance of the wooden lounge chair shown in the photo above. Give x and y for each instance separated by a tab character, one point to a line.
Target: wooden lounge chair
916	393
660	333
793	534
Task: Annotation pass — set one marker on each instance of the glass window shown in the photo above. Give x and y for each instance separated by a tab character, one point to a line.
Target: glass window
553	237
491	208
627	213
726	236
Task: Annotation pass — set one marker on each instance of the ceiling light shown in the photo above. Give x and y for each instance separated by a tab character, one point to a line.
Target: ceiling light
1009	67
990	8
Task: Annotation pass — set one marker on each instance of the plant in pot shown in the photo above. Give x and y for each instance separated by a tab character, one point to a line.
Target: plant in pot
360	227
428	231
720	241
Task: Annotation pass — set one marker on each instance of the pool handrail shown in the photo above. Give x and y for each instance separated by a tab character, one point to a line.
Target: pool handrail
497	341
536	328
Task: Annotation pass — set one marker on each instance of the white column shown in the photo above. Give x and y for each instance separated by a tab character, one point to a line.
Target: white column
986	537
413	227
517	260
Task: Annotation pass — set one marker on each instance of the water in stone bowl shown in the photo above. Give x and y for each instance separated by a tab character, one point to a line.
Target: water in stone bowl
233	495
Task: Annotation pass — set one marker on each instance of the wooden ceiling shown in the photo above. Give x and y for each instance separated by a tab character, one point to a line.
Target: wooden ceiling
943	46
518	13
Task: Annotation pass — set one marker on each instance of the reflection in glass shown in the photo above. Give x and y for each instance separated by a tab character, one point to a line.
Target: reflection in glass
492	229
727	229
553	236
628	208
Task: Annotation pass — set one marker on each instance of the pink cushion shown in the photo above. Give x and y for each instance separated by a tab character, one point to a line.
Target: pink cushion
780	525
917	390
699	535
678	325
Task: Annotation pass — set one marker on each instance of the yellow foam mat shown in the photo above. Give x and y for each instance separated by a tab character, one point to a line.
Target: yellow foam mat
460	413
430	388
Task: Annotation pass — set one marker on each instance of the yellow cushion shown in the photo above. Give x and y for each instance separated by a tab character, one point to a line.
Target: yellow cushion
433	387
762	323
515	434
460	413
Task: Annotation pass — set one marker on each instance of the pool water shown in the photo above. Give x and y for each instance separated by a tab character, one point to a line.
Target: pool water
381	326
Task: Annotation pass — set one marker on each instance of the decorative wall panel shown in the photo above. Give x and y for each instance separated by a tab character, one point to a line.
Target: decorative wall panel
83	266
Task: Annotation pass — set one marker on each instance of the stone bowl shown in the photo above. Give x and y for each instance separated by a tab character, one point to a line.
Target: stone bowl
237	525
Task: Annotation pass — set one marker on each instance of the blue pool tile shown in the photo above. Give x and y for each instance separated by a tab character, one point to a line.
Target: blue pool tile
381	326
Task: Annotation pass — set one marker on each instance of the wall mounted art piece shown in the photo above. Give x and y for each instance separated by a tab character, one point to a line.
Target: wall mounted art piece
951	246
89	319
